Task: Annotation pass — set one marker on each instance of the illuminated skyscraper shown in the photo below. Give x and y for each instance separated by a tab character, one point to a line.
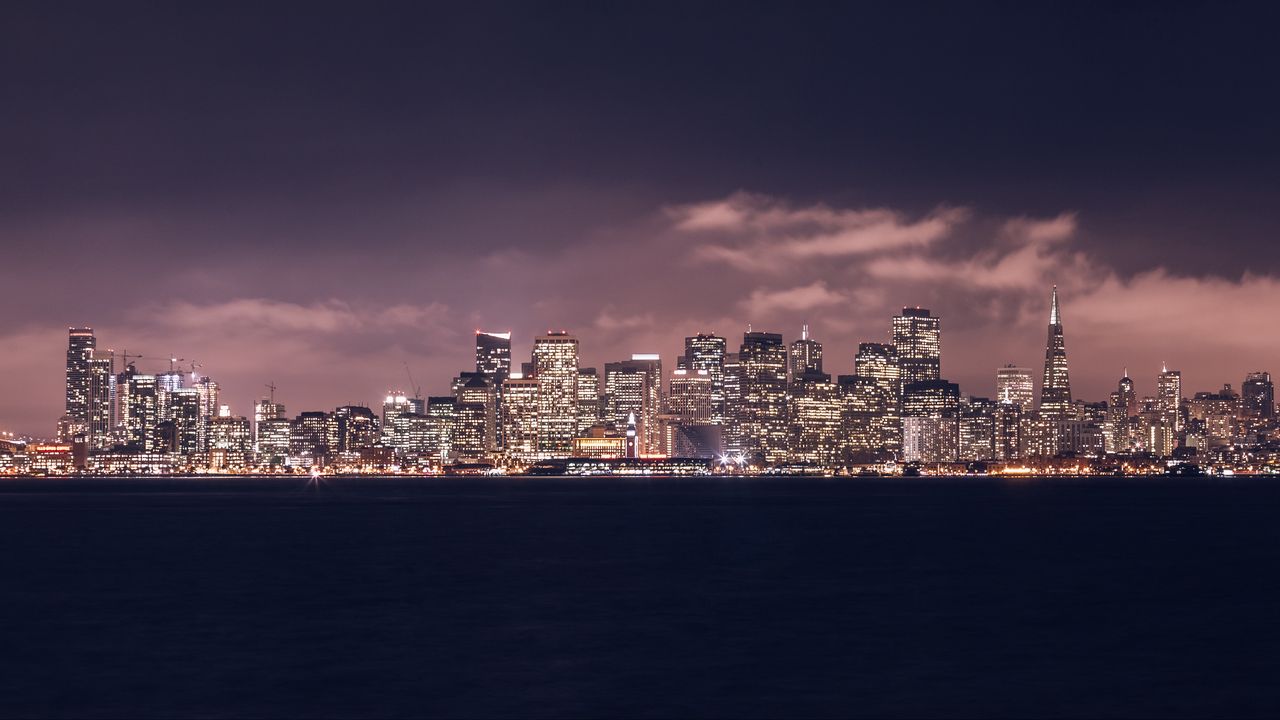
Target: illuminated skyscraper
184	413
1169	401
493	355
520	418
265	409
555	364
690	396
80	345
762	413
632	387
1122	408
589	410
1014	386
1055	389
1258	396
733	439
102	395
917	335
474	424
814	413
805	358
394	406
707	352
144	412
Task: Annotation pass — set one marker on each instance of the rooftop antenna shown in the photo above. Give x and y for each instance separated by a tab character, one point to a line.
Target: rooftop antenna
804	332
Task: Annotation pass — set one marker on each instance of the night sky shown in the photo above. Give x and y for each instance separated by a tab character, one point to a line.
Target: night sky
316	195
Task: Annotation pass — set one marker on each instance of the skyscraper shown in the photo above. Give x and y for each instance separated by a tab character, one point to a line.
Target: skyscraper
917	335
805	358
555	364
1169	402
102	394
1015	387
707	352
520	418
588	400
634	387
80	345
493	355
762	414
1258	396
1055	389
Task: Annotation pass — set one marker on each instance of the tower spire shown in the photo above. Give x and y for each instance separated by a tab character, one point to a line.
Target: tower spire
1054	317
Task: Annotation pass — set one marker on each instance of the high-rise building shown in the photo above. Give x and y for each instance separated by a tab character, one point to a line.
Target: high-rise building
1122	409
1014	386
917	335
805	358
184	414
230	433
589	410
493	355
555	364
815	411
634	387
1258	396
102	397
435	437
80	345
272	441
762	416
395	405
474	424
1169	399
354	428
144	411
520	418
265	409
707	352
733	439
930	398
689	397
308	439
1055	389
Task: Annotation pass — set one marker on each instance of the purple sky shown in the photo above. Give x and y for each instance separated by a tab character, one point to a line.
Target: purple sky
316	196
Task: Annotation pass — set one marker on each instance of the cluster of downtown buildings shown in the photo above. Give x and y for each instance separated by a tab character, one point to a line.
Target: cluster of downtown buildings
768	407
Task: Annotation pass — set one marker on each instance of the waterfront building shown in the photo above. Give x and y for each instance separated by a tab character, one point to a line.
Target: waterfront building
273	440
590	411
80	346
762	412
815	411
555	361
1169	399
520	418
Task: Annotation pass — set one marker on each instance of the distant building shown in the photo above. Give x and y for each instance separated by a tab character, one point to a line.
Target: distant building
762	419
555	360
1055	389
1014	386
917	335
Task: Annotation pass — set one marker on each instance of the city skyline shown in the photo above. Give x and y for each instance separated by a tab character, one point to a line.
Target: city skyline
770	406
320	224
244	398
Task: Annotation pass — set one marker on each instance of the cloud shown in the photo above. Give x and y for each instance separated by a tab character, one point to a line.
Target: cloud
764	303
757	233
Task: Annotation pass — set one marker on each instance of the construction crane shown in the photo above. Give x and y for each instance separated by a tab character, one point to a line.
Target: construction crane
195	365
124	356
174	361
417	391
272	387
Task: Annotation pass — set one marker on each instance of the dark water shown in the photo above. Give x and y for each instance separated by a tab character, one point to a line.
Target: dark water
583	598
